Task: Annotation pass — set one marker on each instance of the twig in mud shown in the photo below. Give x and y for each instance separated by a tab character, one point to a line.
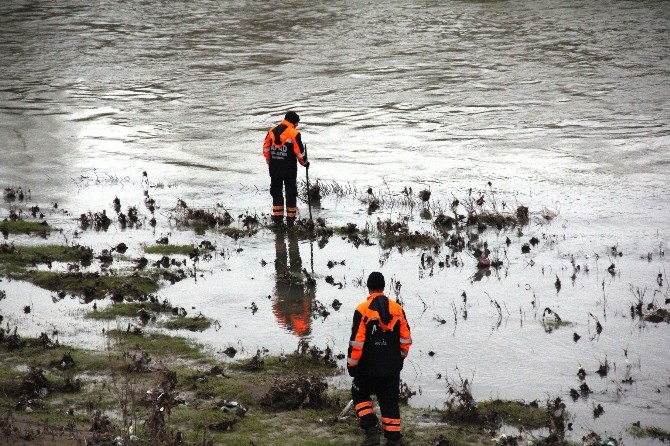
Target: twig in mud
359	282
455	311
496	305
464	309
425	307
461	405
637	309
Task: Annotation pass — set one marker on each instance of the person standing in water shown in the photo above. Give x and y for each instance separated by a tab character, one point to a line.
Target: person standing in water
283	150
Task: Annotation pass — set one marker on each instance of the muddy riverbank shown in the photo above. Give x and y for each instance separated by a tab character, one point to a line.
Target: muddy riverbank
150	389
472	270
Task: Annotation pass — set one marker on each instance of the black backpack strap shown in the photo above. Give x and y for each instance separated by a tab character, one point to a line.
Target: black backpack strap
277	132
380	304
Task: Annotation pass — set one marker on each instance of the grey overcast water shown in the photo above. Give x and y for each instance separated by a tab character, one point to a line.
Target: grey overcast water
562	106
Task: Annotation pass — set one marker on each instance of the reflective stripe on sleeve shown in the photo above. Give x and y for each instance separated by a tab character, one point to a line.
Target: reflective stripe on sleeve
352	362
405	340
356	344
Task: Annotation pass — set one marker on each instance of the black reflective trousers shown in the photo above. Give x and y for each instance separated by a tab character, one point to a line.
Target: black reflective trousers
387	390
277	186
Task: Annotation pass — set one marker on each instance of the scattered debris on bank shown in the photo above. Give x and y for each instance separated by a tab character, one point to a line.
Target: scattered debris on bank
151	385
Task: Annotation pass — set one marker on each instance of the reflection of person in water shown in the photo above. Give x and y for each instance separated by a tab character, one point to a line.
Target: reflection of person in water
292	299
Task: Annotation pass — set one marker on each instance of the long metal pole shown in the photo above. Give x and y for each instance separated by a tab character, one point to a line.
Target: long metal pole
309	200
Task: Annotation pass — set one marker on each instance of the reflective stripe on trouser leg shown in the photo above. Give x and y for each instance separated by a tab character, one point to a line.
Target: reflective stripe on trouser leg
291	212
363	409
360	392
391	424
388	397
277	211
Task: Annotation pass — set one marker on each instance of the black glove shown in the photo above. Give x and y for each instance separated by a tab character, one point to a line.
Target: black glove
306	164
353	371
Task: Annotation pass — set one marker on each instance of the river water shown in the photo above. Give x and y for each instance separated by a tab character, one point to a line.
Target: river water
563	106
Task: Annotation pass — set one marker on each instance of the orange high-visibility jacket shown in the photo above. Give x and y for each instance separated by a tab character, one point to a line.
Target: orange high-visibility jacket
380	338
282	147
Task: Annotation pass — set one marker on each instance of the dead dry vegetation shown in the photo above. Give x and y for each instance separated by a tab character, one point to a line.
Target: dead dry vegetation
150	388
131	394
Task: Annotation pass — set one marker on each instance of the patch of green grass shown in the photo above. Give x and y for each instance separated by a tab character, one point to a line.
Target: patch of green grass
25	227
398	234
197	323
40	253
491	218
158	344
14	259
314	365
412	240
658	433
299	427
47	417
349	229
170	249
33	353
231	386
551	324
516	413
10	380
237	233
198	419
278	366
204	388
127	309
93	285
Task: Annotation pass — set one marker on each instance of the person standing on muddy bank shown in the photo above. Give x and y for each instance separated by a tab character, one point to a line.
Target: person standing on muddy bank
379	343
283	149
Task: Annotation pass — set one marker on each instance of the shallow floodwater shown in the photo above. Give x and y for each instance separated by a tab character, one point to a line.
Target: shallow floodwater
562	106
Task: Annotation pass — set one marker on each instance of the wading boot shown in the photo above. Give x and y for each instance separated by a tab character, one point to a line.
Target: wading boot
277	222
372	437
290	221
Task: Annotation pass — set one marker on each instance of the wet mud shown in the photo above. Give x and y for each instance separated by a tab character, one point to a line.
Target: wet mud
476	234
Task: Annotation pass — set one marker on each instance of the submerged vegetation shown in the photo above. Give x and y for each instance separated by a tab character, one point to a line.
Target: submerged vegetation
151	386
196	323
171	249
24	227
15	258
92	286
639	431
130	310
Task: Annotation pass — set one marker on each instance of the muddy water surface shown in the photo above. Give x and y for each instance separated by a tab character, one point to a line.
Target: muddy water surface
563	106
